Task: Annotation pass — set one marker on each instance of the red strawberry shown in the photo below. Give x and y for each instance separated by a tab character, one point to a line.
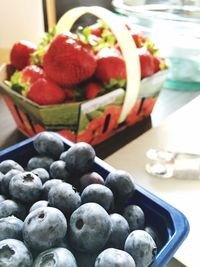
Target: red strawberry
96	29
110	65
159	64
92	89
20	54
146	63
31	73
45	92
139	40
67	61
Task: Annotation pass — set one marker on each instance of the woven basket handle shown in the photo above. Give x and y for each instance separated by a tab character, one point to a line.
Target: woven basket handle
126	44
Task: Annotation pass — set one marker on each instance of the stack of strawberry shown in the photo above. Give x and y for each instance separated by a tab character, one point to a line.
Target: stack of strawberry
76	66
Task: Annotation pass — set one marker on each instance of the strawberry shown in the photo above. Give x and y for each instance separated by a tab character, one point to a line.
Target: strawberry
45	92
159	64
139	39
96	29
67	62
146	63
92	89
20	81
31	73
110	65
20	54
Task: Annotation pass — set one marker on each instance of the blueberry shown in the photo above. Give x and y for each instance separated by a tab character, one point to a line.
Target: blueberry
6	181
141	246
2	198
9	164
42	174
57	257
44	228
122	185
63	155
119	231
79	158
26	187
10	207
39	162
11	227
58	170
112	257
39	204
90	228
91	178
48	185
99	194
14	253
65	198
135	217
47	143
1	176
155	235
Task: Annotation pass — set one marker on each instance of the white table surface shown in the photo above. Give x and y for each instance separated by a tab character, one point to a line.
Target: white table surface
179	132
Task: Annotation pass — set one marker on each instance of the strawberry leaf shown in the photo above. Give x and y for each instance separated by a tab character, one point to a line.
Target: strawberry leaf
36	57
16	78
107	38
18	88
151	47
116	83
48	37
86	32
16	84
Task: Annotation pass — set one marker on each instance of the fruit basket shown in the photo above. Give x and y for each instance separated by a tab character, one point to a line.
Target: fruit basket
171	225
97	116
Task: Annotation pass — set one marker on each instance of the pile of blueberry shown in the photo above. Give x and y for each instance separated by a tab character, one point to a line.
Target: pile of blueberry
57	211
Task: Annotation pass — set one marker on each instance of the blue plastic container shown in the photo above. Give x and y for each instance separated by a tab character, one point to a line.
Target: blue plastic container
170	223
